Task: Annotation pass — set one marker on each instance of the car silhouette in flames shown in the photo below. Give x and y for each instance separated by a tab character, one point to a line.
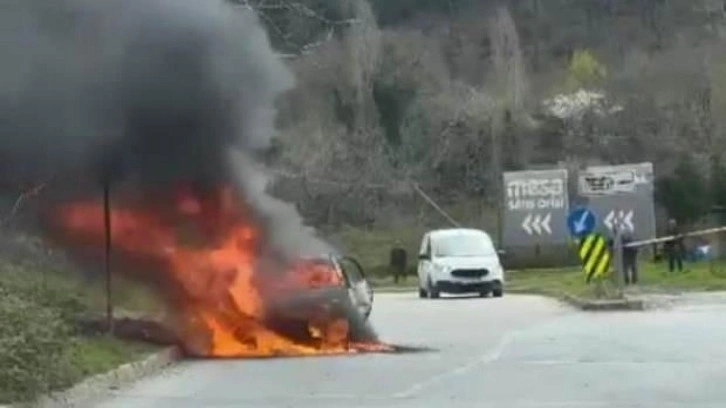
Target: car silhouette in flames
337	293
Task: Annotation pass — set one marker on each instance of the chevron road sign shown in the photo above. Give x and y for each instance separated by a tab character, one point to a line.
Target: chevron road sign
595	256
536	204
537	224
620	220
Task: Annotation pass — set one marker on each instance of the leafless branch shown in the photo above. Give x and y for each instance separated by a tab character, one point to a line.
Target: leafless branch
263	7
22	198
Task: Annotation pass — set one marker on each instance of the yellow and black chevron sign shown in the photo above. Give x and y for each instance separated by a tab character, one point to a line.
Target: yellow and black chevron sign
595	256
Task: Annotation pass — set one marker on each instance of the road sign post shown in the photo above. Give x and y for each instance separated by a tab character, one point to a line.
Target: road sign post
619	266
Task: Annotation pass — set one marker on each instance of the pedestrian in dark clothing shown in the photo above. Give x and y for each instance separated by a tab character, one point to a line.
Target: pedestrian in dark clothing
674	247
630	260
398	263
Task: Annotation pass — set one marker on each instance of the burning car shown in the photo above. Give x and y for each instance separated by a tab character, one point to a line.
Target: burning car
338	279
229	296
335	306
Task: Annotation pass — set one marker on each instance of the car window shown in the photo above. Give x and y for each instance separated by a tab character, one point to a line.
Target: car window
464	245
425	246
353	272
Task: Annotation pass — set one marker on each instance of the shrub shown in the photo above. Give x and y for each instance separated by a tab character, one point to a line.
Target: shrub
35	345
37	314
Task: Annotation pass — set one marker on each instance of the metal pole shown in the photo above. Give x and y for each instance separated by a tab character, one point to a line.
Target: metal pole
107	224
436	206
619	267
709	231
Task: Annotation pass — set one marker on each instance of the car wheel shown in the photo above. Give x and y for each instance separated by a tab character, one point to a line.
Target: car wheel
422	293
432	290
498	292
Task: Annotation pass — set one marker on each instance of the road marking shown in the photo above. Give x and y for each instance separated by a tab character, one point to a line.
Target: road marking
489	357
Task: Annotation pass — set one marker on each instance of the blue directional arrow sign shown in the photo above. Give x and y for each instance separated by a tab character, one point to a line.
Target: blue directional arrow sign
581	222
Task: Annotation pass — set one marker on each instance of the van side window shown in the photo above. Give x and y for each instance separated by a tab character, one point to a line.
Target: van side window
424	245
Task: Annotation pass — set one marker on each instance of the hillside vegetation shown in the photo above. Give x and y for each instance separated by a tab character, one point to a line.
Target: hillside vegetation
449	94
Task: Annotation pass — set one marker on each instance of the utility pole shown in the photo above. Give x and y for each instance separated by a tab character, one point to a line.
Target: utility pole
107	265
619	266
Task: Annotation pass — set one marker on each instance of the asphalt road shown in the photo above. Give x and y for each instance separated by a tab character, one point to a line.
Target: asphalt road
518	351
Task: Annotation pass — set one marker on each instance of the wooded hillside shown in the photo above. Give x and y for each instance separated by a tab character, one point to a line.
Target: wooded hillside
449	93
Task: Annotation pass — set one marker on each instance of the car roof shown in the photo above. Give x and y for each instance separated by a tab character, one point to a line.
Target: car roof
440	233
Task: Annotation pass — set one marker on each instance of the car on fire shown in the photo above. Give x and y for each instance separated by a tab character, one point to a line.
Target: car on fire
459	261
344	294
359	290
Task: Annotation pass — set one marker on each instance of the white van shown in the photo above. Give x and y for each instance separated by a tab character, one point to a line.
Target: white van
459	261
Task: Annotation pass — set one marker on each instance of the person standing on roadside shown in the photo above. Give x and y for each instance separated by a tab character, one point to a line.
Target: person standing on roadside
674	247
398	262
630	260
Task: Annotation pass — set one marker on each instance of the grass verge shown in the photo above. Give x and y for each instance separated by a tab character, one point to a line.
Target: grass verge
41	348
704	276
696	277
100	354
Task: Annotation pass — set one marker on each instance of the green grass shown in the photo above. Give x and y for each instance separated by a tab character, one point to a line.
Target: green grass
706	276
372	247
41	349
99	354
703	276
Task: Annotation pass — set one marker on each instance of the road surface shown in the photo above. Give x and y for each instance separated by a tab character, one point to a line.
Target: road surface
514	352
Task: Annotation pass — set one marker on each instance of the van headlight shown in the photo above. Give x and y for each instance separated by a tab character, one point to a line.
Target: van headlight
444	269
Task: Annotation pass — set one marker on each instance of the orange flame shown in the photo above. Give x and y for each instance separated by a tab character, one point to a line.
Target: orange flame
217	298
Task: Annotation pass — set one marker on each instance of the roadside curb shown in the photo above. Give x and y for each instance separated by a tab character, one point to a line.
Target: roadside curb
97	386
604	305
589	305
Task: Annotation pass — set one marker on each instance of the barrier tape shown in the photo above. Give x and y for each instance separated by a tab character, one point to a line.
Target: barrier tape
672	237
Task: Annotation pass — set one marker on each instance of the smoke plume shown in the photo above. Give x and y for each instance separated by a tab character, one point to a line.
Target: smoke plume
144	91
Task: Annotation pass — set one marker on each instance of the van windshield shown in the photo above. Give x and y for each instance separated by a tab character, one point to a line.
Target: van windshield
464	245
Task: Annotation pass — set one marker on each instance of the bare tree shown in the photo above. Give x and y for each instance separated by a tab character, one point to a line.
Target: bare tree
299	26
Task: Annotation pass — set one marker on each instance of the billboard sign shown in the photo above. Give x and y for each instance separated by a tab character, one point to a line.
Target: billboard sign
622	196
536	205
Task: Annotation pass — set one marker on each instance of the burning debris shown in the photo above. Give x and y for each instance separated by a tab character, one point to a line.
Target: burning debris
168	102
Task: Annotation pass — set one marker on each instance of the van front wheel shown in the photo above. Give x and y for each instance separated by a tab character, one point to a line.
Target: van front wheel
433	291
422	293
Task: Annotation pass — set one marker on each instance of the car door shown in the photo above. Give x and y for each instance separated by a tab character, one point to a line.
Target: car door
359	288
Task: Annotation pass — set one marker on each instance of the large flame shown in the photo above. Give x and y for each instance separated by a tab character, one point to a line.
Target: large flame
206	251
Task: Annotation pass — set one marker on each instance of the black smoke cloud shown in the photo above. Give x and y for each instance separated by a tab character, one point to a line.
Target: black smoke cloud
146	89
152	91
